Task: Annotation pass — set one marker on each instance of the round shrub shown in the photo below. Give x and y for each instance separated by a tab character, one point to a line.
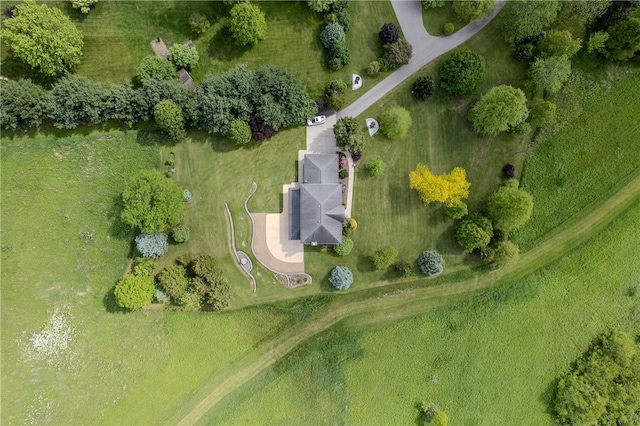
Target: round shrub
404	269
134	291
335	94
180	234
384	64
169	118
341	277
153	246
509	207
384	258
143	266
339	56
521	129
524	52
344	248
398	53
431	263
423	87
389	33
343	174
174	281
344	19
376	166
240	132
448	28
332	34
156	68
509	171
505	253
186	195
395	122
189	302
457	211
247	24
199	23
474	232
182	56
462	72
373	69
160	296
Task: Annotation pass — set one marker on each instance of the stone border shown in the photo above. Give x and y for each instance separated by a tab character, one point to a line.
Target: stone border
247	265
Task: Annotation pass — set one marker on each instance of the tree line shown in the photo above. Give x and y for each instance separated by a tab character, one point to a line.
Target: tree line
271	97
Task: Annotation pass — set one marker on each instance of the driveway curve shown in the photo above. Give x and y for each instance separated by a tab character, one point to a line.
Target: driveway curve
426	48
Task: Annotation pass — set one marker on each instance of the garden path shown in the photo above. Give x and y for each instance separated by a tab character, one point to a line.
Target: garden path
426	48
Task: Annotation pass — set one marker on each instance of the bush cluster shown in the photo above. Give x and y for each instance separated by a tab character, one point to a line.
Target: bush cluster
333	36
384	258
335	94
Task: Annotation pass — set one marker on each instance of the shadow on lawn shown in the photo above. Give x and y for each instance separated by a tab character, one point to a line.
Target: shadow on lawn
110	303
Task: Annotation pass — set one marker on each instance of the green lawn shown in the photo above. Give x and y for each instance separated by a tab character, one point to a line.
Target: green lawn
117	35
477	359
63	247
434	19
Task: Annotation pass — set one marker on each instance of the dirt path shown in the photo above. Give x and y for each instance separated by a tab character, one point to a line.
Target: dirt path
401	304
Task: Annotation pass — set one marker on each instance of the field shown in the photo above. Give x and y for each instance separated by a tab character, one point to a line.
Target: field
117	35
486	346
477	359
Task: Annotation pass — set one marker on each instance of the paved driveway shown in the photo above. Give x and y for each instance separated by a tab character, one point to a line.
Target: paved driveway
320	139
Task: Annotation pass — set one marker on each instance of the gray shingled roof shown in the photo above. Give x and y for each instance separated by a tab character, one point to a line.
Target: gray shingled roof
321	213
321	168
294	214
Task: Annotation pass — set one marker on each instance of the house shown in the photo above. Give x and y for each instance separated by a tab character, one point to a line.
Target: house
316	212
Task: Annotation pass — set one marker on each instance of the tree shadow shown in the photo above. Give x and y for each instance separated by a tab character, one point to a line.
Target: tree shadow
548	396
154	138
223	145
420	420
110	303
14	68
118	228
223	48
364	264
400	196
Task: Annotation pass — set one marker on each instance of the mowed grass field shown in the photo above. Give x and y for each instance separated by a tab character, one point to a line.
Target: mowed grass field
64	248
434	19
117	35
489	359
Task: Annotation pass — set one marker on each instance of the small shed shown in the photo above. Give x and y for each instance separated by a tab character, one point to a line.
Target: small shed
185	78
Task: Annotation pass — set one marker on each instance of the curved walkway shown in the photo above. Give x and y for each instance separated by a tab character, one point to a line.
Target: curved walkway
426	48
243	260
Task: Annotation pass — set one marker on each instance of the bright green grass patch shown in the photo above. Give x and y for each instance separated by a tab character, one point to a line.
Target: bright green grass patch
478	359
594	149
434	19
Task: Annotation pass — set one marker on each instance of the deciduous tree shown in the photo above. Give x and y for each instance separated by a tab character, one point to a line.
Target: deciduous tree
551	73
44	38
498	110
134	291
398	53
83	5
348	134
152	202
462	72
156	68
448	188
169	118
182	56
395	122
469	10
247	24
509	207
76	101
174	281
384	258
474	232
560	43
522	19
624	40
423	87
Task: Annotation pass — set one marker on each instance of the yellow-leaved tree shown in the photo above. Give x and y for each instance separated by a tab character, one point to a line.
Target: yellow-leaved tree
448	188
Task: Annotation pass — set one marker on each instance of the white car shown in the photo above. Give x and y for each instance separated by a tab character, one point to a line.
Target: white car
318	119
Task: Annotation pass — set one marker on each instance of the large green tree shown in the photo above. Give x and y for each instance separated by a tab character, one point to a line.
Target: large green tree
522	19
44	38
152	202
603	386
624	40
348	135
75	101
509	207
468	10
559	43
550	74
498	110
462	72
474	232
247	24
